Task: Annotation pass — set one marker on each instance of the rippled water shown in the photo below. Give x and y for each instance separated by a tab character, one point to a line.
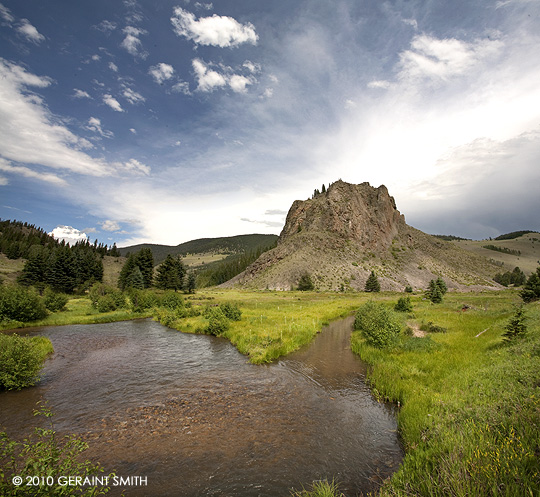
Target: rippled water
189	413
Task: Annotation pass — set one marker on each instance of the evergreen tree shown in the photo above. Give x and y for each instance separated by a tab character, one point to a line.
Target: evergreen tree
436	290
171	273
191	282
372	283
305	283
516	326
135	279
127	269
323	189
531	290
62	270
145	261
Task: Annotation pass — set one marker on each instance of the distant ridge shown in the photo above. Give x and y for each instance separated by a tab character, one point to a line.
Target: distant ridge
227	245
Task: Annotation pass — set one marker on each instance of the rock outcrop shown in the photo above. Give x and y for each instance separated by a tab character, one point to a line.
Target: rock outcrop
338	237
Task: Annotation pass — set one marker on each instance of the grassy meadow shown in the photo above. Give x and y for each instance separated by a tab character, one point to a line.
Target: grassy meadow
469	403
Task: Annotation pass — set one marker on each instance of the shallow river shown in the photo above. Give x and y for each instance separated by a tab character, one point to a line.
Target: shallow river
190	415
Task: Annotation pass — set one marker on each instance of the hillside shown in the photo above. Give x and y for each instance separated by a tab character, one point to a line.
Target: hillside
340	236
522	252
206	250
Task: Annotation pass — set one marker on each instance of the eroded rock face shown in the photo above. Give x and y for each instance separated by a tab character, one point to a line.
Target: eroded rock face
360	213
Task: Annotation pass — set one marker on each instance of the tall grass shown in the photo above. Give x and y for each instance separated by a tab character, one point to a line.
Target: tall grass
470	405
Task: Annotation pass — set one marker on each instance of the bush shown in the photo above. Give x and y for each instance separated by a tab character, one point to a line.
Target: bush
115	298
142	300
217	321
305	283
231	311
21	360
50	457
404	304
378	324
54	301
172	301
20	304
432	328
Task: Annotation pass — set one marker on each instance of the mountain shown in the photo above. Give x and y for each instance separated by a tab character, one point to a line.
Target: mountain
339	236
218	247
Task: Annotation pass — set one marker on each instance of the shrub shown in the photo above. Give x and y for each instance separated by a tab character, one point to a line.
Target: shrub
142	300
378	324
50	457
408	289
21	360
99	290
172	301
305	283
404	304
432	328
106	303
54	301
231	311
20	304
217	321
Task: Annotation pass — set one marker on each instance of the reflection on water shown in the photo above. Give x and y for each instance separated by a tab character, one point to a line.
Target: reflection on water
194	417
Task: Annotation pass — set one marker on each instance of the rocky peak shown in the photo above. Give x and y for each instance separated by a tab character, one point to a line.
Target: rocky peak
360	213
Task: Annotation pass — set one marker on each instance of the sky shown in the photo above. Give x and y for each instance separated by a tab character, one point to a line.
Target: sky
141	121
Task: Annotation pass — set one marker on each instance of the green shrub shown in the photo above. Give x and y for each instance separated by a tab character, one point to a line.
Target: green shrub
516	327
408	289
99	290
231	311
172	300
49	457
142	300
378	324
404	304
54	301
21	360
432	328
217	321
20	304
305	283
106	303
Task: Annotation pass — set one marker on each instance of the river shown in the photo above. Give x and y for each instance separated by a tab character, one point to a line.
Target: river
191	417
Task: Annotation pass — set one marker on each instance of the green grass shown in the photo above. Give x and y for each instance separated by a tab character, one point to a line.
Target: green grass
78	311
470	404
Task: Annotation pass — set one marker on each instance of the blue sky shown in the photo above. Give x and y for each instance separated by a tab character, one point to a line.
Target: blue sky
141	121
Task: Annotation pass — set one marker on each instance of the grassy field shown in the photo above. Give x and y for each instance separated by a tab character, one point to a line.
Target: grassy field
469	415
470	404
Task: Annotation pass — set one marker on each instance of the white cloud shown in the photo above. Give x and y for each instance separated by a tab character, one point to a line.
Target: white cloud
238	83
181	87
113	67
435	58
132	43
106	26
80	93
30	134
379	84
207	79
94	124
134	166
161	72
252	67
219	31
133	97
30	173
112	103
30	32
133	130
110	225
205	6
68	234
5	13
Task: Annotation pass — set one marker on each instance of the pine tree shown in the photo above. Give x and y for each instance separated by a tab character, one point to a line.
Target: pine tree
372	283
531	290
127	269
305	283
145	261
135	279
171	273
191	283
516	326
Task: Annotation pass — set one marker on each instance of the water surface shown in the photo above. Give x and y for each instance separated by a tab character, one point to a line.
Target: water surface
189	413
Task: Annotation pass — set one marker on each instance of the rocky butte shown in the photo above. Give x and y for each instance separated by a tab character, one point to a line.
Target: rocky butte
339	236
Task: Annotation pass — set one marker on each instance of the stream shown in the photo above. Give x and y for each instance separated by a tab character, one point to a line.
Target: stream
190	416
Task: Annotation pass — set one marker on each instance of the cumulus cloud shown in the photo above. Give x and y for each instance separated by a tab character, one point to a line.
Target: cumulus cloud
132	42
106	26
161	72
68	234
132	96
219	31
110	225
80	93
30	32
181	87
113	67
207	79
112	103
94	124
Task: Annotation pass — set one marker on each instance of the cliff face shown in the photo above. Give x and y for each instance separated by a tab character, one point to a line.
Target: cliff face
366	215
341	235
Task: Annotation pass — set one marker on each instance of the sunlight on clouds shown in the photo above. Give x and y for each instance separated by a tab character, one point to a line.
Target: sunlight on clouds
112	103
207	79
132	43
6	167
30	32
68	234
161	72
219	31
